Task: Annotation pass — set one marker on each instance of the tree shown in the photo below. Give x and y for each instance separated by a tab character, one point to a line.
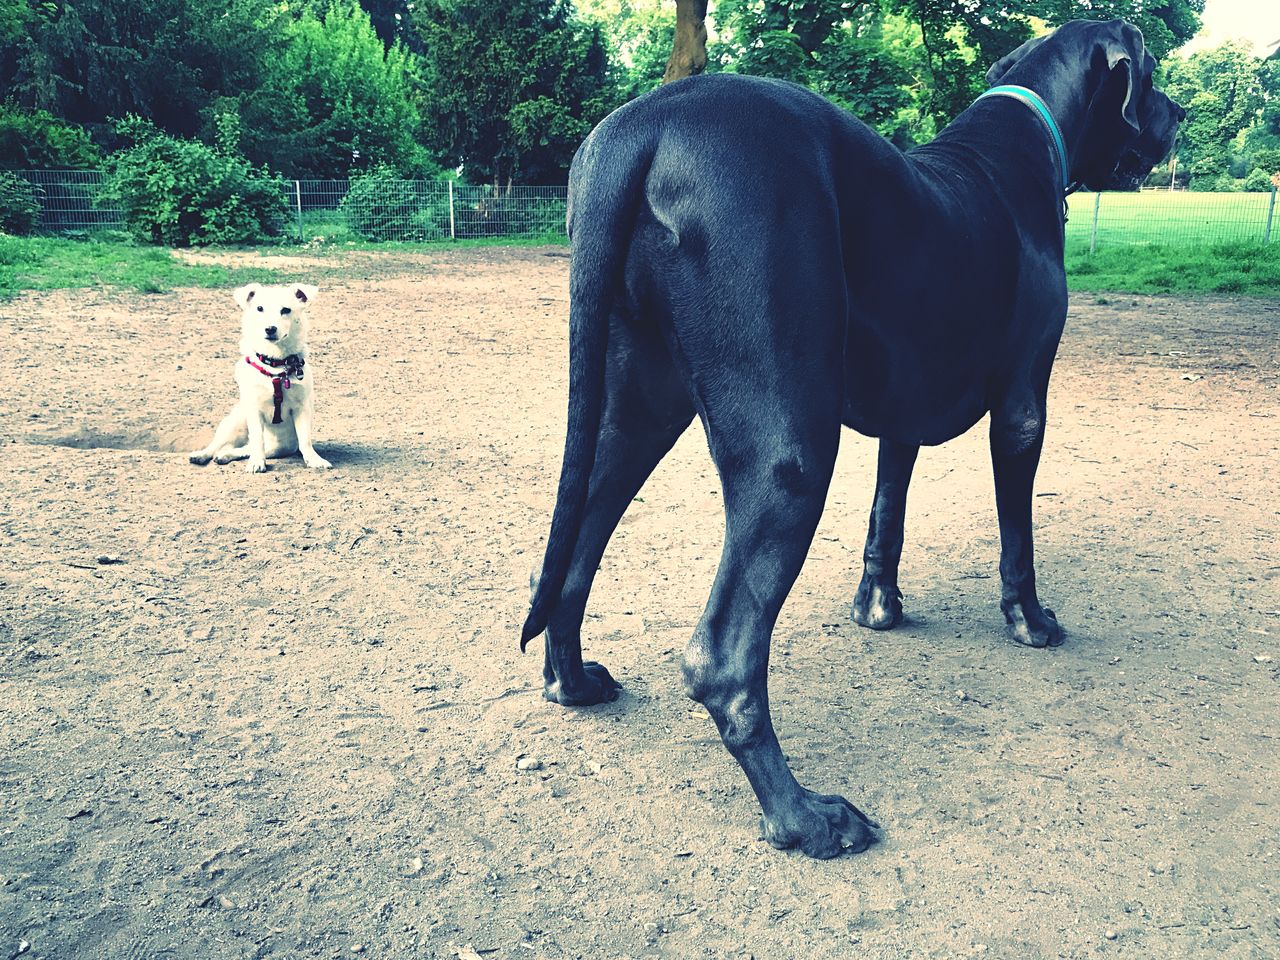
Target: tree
836	47
37	140
639	35
392	20
87	61
961	39
689	46
1222	92
511	88
1262	141
332	99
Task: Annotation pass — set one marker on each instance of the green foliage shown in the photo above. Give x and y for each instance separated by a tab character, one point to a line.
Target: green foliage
87	61
1258	181
854	51
511	88
639	35
835	47
379	205
1236	268
19	205
182	192
1222	92
333	99
37	140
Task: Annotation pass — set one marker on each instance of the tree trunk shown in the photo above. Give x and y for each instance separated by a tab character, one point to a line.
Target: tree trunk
689	52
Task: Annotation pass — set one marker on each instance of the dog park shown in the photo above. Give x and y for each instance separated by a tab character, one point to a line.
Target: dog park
268	700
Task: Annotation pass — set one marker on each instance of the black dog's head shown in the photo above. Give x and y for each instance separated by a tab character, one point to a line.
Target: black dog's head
1128	125
1153	143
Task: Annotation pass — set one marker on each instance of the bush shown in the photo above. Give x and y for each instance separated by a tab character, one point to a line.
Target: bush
19	204
1223	183
40	141
381	206
1258	181
183	192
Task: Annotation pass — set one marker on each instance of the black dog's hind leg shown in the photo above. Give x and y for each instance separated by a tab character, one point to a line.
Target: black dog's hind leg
646	408
1017	436
878	603
775	457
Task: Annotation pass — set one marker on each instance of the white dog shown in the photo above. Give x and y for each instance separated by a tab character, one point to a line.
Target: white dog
275	408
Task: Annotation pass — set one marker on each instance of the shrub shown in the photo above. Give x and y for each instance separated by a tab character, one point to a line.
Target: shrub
19	204
1223	183
183	192
381	206
40	141
1258	181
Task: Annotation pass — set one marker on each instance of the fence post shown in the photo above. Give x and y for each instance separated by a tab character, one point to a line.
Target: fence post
1271	212
1093	236
297	196
453	235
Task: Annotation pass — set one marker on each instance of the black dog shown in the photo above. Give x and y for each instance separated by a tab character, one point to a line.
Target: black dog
746	251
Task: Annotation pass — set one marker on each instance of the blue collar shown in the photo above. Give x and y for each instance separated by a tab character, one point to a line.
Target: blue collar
1032	100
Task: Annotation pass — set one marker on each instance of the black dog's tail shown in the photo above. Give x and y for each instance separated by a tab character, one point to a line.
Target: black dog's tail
604	193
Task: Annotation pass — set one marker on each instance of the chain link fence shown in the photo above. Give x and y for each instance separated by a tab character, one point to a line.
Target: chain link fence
379	209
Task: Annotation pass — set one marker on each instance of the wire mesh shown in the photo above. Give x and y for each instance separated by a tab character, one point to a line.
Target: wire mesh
376	209
1171	218
69	201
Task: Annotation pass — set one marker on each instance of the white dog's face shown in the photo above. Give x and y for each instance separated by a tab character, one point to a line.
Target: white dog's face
274	319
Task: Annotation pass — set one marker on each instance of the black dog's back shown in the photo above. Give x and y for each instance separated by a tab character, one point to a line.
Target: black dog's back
749	166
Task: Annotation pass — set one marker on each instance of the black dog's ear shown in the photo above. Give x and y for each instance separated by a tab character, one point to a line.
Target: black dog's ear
1005	63
1129	63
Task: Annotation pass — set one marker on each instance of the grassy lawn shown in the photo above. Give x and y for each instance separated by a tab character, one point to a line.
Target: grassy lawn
46	263
55	263
50	263
1172	219
1228	268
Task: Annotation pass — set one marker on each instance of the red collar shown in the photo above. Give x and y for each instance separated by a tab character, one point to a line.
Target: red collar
289	367
286	368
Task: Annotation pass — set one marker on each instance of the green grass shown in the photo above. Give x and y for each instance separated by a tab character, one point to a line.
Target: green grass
45	263
1226	268
1180	218
49	263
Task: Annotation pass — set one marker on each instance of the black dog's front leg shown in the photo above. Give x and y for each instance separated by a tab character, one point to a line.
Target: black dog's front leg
878	603
1015	455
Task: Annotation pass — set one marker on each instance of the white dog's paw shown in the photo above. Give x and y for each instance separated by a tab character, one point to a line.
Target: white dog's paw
317	462
255	466
200	458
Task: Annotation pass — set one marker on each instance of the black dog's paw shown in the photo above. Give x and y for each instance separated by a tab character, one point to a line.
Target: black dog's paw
877	606
822	826
1032	627
594	686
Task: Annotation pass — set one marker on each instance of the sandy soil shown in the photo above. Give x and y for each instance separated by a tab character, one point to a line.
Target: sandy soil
280	715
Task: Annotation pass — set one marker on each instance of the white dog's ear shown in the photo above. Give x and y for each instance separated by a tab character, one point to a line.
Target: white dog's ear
245	295
305	292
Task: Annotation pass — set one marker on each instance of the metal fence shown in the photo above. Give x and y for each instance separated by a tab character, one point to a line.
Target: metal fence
70	201
377	209
1171	218
373	208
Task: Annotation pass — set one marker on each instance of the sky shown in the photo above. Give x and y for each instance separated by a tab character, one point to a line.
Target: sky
1257	21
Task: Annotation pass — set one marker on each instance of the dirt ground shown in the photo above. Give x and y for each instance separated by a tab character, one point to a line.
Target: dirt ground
280	715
